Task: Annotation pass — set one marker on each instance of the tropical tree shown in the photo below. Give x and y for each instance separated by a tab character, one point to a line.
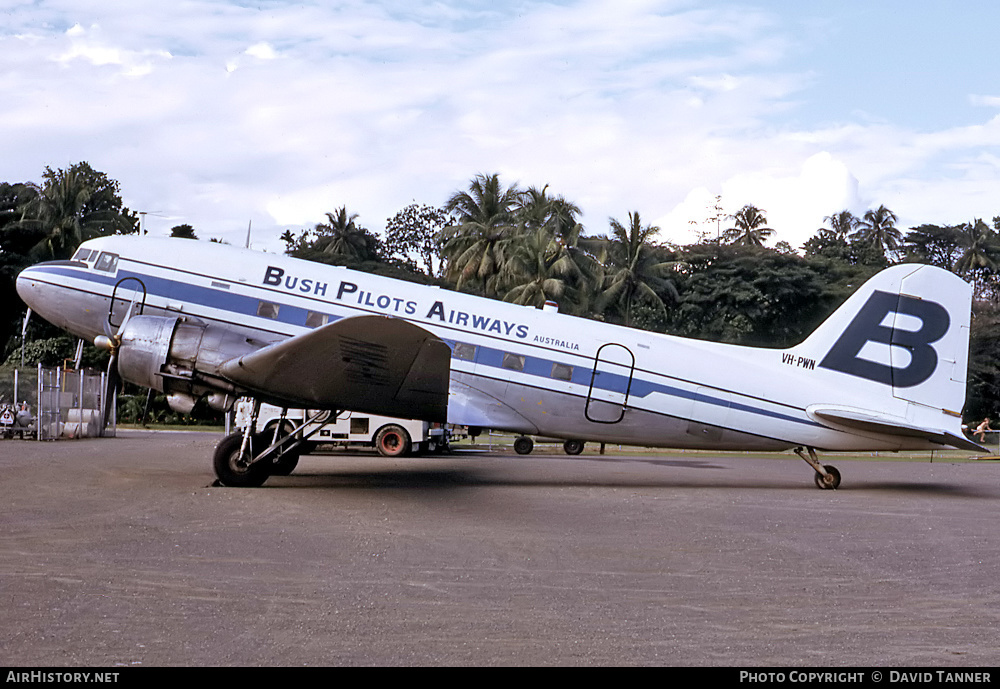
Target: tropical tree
842	224
414	231
633	272
16	235
980	254
72	206
758	297
476	247
183	232
542	267
555	214
878	230
750	228
341	236
937	245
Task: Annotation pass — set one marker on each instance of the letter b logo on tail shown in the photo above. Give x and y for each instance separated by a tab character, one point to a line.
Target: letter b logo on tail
869	326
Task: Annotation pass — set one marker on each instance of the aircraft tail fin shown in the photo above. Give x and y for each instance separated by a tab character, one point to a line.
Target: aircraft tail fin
897	352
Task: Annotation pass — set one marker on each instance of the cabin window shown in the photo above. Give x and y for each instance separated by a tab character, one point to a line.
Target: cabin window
315	319
266	309
107	262
514	362
465	351
562	372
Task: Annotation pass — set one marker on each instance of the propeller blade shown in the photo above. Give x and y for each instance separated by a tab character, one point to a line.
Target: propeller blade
128	315
112	385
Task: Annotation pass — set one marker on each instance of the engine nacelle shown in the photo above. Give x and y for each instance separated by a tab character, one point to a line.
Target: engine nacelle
181	357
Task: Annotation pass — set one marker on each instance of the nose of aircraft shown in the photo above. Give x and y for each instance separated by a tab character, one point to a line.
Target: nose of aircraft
26	285
38	287
59	292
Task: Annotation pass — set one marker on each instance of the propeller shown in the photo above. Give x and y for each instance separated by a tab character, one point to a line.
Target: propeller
111	343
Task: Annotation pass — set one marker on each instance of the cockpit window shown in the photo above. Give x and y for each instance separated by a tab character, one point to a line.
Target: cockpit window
107	262
82	255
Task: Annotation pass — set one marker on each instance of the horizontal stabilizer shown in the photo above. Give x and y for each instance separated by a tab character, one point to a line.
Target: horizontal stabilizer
875	422
370	364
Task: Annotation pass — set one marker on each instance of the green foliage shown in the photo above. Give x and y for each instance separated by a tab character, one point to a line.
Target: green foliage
877	229
481	242
747	295
137	406
184	231
984	362
635	273
72	206
414	231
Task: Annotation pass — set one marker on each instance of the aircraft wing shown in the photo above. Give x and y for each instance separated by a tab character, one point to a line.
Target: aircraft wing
371	364
883	423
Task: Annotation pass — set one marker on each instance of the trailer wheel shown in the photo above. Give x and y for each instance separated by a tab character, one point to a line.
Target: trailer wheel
392	441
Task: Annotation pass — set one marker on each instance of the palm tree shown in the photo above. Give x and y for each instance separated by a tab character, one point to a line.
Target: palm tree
842	224
878	230
542	268
341	236
59	213
634	272
751	228
559	216
980	255
72	206
476	247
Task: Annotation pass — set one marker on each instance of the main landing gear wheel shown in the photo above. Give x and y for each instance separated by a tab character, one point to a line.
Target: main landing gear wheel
573	447
830	481
289	459
523	445
392	441
233	468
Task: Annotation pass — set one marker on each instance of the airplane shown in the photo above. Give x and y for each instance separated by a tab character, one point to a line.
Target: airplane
885	372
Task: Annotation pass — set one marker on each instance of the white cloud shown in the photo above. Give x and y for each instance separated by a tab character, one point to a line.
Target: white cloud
215	113
985	101
794	204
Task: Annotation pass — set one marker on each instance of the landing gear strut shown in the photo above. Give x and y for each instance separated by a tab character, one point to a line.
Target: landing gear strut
827	477
247	459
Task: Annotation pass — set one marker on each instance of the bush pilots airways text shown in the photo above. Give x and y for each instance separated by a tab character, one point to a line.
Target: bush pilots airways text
400	306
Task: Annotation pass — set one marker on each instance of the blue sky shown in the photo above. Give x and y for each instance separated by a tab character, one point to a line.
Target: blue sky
218	113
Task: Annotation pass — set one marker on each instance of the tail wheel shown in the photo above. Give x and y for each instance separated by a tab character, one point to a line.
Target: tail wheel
829	482
392	441
231	466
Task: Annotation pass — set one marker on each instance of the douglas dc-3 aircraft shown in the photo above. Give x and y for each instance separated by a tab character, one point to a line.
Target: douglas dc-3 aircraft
886	371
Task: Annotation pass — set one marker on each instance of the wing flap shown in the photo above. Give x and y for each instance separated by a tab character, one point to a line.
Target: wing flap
371	364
